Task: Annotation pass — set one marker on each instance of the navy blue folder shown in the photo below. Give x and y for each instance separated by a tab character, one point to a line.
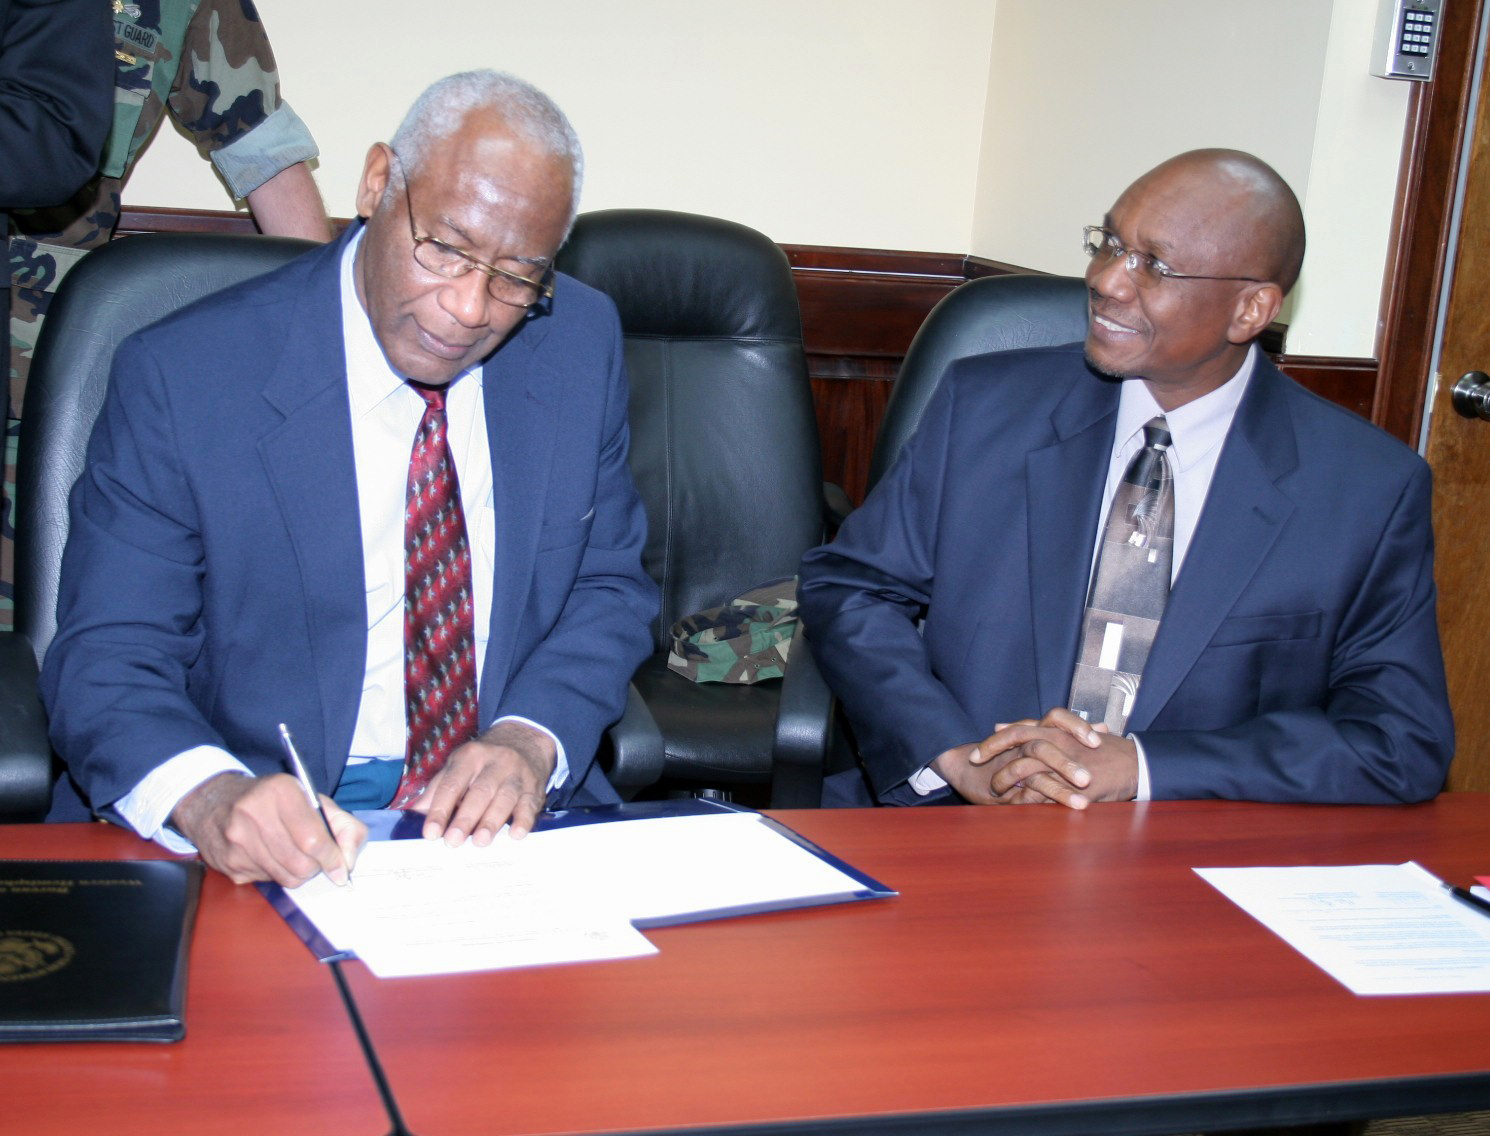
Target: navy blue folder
392	824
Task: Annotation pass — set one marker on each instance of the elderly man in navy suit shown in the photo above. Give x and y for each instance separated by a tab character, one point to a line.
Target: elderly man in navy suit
380	495
1149	566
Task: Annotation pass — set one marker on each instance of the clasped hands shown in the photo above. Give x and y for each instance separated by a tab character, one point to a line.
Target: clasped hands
262	828
1060	759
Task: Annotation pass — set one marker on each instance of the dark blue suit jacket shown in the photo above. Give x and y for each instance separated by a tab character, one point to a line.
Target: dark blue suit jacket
212	584
1298	658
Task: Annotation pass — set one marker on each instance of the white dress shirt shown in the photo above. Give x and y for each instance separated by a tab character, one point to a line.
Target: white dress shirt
1197	431
385	415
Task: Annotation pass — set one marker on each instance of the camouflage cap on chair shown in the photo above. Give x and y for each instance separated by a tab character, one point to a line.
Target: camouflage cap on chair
746	640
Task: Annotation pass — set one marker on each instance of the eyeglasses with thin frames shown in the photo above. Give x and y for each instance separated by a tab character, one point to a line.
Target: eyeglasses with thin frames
434	255
1103	246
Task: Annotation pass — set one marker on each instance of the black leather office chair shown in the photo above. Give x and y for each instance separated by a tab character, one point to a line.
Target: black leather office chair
724	448
992	313
111	293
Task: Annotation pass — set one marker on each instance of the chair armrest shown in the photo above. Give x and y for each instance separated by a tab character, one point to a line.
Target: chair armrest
636	747
836	505
25	754
803	721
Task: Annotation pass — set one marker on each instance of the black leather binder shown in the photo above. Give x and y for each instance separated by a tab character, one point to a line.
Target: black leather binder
95	950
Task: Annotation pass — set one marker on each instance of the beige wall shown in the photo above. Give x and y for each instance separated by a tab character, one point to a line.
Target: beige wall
839	122
1084	95
993	126
1087	94
1352	186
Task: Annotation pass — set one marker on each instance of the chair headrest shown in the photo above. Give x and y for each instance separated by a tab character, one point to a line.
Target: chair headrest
681	275
992	313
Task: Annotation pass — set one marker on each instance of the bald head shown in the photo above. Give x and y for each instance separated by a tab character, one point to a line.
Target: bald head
1213	240
1252	214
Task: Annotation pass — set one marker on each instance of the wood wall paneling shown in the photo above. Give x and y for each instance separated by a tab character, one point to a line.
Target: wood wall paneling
860	310
849	412
1349	382
149	219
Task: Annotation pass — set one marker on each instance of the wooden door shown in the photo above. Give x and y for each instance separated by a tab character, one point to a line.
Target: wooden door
1459	451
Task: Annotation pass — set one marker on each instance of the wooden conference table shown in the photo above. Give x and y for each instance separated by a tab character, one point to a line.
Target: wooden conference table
1042	971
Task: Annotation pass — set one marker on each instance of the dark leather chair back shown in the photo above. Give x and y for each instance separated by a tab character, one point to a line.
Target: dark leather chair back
724	448
113	292
992	313
724	443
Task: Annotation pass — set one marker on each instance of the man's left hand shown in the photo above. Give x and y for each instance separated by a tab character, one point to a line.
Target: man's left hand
499	778
1060	759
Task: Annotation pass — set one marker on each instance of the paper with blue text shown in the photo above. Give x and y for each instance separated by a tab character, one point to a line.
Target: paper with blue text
1376	928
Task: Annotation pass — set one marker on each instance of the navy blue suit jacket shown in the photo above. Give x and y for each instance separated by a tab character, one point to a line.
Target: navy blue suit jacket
212	584
1298	658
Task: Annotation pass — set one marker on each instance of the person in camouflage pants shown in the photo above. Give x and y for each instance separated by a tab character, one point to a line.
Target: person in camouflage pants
208	64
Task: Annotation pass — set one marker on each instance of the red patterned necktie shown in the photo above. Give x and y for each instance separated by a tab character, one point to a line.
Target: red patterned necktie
439	619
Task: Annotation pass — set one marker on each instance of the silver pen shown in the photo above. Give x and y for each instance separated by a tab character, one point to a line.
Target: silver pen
298	768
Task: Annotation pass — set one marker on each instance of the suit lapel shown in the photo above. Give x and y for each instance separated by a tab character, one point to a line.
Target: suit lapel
1243	514
309	461
1065	482
520	389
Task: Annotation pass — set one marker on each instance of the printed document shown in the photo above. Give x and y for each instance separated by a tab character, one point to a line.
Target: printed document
1376	928
562	895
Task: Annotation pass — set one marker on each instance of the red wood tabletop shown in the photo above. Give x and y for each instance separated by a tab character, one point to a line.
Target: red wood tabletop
268	1047
1035	957
1038	966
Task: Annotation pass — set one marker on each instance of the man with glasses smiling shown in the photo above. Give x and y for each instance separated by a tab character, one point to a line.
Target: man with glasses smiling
1148	566
380	495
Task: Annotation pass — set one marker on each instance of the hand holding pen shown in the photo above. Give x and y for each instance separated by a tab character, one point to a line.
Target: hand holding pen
298	768
258	828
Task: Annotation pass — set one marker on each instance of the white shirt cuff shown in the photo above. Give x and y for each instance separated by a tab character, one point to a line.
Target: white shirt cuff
561	763
926	781
1143	770
149	804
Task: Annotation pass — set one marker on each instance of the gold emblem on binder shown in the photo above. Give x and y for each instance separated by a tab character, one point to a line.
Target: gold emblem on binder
32	954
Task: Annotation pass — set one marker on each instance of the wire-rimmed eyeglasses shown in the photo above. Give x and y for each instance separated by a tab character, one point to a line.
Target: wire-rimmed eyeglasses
1103	246
434	255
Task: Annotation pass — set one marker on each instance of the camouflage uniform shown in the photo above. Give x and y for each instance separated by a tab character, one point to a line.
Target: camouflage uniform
207	63
746	640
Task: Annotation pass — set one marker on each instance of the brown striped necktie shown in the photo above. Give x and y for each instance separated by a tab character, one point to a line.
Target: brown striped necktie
1130	586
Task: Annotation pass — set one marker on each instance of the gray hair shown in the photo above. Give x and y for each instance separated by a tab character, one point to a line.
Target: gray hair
440	110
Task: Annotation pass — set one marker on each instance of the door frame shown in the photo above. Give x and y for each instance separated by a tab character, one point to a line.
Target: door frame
1413	290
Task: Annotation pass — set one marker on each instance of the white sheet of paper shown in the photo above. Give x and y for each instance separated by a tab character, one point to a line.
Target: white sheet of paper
418	907
690	865
565	895
1376	928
